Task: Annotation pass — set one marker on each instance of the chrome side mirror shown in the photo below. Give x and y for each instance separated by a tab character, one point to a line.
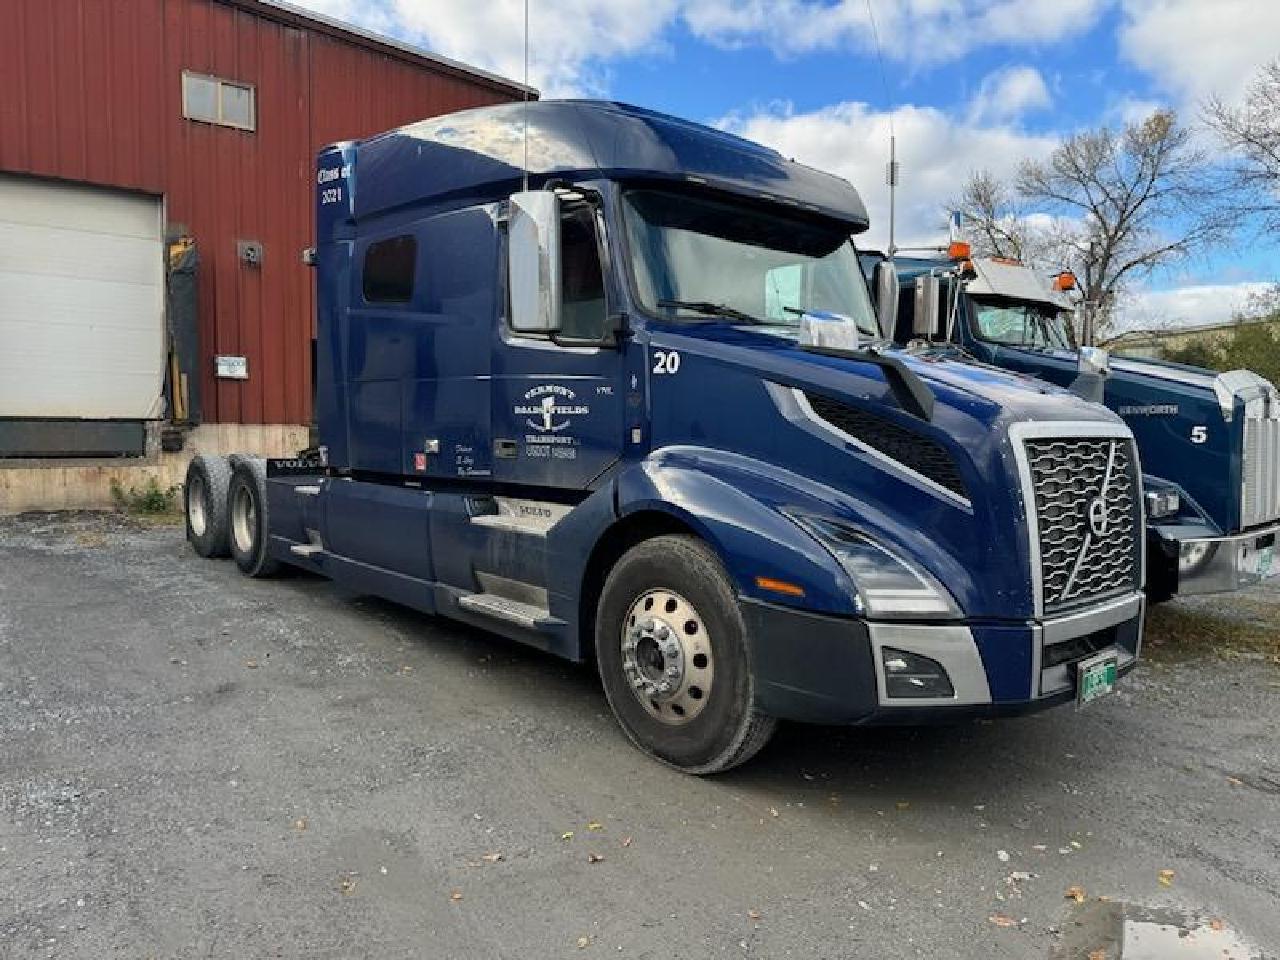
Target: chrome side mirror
926	321
1094	360
886	283
533	261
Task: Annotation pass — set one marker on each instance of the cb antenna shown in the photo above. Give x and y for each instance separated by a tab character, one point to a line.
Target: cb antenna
892	169
525	109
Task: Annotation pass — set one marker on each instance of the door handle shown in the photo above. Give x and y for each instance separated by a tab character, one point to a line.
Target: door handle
505	449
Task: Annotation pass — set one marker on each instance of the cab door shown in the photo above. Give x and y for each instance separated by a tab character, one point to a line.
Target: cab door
557	399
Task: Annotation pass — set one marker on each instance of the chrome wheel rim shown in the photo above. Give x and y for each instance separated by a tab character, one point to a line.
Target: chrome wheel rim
244	520
666	656
195	506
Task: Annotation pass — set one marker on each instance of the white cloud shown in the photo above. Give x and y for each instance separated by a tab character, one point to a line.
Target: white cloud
913	31
935	151
1009	93
572	42
1195	48
1187	306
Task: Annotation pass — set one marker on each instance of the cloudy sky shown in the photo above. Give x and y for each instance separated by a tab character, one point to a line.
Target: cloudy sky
968	84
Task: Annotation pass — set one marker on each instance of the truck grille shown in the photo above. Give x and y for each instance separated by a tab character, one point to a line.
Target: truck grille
1086	498
1260	493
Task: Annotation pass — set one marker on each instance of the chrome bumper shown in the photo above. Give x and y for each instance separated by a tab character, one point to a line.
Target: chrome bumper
1223	564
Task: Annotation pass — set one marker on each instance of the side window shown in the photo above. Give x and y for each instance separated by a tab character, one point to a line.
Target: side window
584	315
389	267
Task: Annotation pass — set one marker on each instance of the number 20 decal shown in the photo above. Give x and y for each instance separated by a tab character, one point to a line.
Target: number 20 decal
1199	434
666	361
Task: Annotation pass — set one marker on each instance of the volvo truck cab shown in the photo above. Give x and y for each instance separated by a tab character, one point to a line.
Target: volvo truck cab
1209	442
631	404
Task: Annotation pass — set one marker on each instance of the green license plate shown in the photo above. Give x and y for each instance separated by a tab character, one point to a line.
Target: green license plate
1096	678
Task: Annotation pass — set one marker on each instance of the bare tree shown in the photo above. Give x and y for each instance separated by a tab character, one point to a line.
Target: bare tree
1114	205
1251	133
999	227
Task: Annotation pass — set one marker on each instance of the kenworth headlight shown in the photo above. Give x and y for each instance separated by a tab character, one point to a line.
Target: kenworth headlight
1162	503
887	586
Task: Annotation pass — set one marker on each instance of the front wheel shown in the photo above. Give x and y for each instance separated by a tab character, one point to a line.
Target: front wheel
672	652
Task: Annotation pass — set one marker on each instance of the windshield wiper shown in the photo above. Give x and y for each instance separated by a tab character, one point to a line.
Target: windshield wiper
711	309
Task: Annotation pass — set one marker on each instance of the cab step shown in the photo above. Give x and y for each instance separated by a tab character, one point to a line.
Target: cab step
527	615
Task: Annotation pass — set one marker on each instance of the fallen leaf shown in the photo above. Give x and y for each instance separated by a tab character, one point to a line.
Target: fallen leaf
1216	925
567	835
300	823
251	664
753	915
626	841
1235	781
594	858
1098	954
1002	920
455	896
1166	878
1075	893
491	857
595	826
584	942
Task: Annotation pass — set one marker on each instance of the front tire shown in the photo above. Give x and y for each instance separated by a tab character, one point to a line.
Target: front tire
249	522
672	652
204	496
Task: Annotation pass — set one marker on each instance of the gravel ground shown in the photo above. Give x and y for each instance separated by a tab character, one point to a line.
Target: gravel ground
197	765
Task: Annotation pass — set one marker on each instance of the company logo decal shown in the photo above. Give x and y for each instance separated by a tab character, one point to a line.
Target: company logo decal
1150	410
550	408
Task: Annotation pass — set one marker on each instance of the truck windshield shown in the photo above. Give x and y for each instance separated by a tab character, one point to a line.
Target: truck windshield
1021	324
696	257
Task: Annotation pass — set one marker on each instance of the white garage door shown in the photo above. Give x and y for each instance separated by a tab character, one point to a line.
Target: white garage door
81	301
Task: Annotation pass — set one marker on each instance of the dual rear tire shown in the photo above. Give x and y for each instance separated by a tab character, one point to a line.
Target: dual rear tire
227	511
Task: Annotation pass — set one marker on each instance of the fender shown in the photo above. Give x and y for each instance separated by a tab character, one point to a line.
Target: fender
734	503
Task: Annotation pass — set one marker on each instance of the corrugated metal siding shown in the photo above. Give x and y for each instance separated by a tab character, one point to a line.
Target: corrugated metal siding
93	92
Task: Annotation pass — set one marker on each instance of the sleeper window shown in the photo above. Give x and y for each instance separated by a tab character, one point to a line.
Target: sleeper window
389	270
583	314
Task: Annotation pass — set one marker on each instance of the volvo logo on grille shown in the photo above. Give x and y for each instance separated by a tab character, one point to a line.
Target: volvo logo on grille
1098	517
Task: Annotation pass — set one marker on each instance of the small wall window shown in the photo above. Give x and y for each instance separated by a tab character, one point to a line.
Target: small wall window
212	100
389	268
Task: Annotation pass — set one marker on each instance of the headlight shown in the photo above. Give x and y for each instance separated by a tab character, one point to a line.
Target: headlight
1162	503
887	586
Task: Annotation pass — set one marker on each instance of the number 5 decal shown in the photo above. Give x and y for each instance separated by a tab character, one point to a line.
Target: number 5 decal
1199	434
666	361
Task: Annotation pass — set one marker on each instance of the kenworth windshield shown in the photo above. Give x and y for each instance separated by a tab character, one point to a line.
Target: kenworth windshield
1021	324
698	258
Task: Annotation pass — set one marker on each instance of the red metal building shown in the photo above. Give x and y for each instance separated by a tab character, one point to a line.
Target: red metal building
215	110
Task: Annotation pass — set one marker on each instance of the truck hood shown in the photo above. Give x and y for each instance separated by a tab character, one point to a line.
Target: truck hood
960	386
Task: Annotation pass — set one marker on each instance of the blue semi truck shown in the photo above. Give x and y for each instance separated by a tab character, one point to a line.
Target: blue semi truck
629	402
1209	442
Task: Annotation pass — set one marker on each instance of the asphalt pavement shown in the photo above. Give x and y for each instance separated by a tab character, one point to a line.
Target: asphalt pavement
196	765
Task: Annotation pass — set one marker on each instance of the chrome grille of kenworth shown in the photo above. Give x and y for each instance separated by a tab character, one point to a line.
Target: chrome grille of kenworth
1086	497
1260	471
